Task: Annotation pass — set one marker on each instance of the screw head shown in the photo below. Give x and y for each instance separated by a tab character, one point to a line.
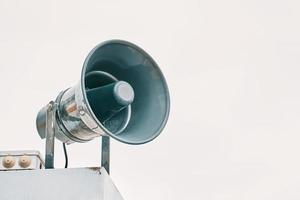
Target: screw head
24	161
8	161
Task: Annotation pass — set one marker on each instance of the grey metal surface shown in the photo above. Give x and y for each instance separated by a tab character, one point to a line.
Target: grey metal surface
36	161
58	184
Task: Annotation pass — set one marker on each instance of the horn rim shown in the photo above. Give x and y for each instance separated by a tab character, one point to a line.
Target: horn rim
155	65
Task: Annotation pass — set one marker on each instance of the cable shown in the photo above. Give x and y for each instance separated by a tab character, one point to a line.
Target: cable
66	155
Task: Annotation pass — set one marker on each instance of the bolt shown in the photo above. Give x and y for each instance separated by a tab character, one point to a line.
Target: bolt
24	161
8	161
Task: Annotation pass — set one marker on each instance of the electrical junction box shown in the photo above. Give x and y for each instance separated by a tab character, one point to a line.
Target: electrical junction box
58	184
23	177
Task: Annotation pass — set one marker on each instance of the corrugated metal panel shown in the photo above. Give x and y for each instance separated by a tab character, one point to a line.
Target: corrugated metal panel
58	184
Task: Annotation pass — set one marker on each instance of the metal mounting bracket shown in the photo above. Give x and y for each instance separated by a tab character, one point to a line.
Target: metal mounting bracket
50	135
105	153
50	140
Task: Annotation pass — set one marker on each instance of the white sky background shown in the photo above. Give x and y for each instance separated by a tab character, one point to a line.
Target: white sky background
233	71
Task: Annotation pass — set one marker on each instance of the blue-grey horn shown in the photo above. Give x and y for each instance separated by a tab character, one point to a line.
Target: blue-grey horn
122	94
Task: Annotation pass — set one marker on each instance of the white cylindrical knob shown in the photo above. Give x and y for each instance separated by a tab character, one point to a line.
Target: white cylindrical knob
24	161
8	161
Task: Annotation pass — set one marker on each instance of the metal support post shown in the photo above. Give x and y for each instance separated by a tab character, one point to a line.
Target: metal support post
105	151
50	136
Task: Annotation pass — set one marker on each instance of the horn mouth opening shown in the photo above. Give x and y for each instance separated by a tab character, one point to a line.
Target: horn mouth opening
151	106
114	121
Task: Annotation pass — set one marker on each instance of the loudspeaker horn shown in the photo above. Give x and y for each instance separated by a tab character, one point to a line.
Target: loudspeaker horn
122	94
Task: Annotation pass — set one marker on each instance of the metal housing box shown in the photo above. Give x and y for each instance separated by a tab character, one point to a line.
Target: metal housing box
58	184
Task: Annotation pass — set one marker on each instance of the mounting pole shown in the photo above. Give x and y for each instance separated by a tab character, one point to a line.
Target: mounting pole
50	135
105	151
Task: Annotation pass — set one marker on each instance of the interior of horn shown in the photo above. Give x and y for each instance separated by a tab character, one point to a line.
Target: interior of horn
115	122
120	60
